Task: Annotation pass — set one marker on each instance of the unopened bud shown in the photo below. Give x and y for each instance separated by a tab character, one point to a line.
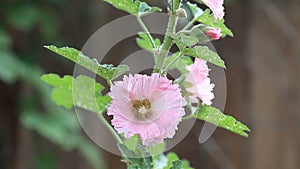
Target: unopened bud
181	13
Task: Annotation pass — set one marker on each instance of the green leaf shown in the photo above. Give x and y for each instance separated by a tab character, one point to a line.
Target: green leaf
198	32
196	11
204	53
216	117
55	123
62	93
186	165
82	92
49	26
91	153
183	40
181	46
87	94
145	9
180	64
106	71
132	142
176	164
136	8
137	159
10	67
46	160
172	157
175	4
160	161
208	19
58	125
23	16
5	40
190	38
144	41
157	149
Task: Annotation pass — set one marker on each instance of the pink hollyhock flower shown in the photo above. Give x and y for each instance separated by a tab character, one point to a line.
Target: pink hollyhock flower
216	7
150	106
198	83
214	34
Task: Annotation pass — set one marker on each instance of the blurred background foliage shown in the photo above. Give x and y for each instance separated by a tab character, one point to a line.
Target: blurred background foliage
26	25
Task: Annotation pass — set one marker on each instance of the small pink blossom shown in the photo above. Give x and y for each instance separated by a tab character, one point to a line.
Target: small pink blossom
214	34
150	106
199	85
216	7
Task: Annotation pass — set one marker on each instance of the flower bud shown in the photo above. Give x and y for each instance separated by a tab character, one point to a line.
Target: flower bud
214	34
181	13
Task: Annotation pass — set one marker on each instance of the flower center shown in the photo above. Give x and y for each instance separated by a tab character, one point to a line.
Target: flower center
141	108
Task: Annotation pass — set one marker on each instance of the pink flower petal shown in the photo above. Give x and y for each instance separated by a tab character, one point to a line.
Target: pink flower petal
216	7
150	106
201	87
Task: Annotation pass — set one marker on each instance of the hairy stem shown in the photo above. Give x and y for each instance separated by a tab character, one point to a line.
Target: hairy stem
140	21
190	24
110	128
163	52
171	63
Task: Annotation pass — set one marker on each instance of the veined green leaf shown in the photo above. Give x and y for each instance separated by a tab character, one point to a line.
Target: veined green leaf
172	157
181	46
136	7
176	164
190	38
183	40
208	19
206	54
87	94
216	117
106	71
82	92
144	41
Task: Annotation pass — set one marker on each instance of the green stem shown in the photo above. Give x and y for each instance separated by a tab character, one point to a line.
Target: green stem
189	24
187	117
190	116
140	21
110	128
167	41
109	82
171	63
